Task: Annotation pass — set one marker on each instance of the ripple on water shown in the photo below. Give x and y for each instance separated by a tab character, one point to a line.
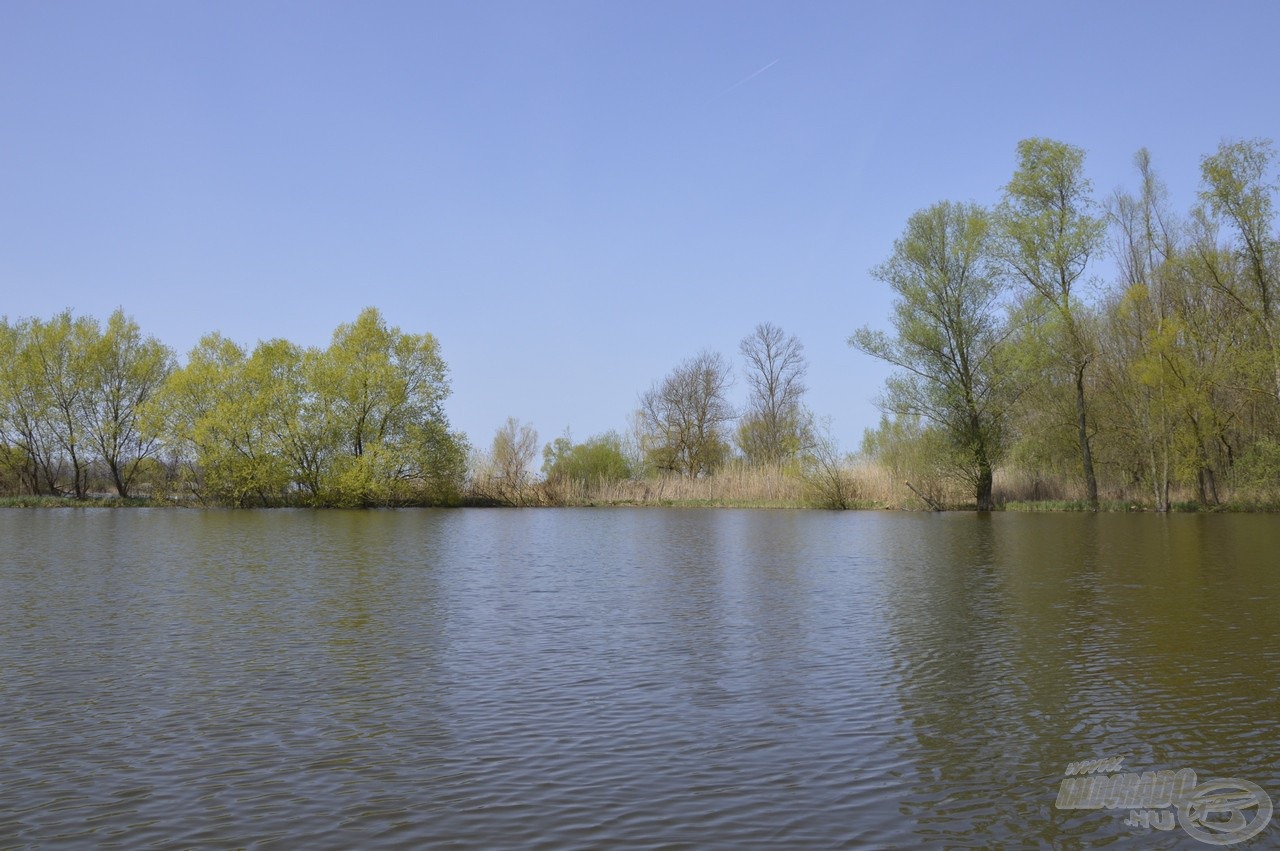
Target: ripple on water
611	678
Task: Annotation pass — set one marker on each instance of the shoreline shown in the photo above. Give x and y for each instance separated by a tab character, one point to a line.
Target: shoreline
1012	506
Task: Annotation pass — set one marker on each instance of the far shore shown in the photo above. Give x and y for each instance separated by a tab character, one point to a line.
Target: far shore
1017	506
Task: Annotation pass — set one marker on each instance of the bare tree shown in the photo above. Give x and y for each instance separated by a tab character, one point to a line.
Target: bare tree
514	448
1146	239
829	479
685	416
774	428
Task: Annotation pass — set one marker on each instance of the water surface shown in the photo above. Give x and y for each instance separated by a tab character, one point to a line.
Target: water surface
621	678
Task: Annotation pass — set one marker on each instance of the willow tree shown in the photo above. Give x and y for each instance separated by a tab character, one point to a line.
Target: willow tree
125	371
218	413
358	423
1048	233
948	340
53	365
381	393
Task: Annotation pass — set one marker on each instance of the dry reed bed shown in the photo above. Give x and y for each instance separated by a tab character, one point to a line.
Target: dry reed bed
868	485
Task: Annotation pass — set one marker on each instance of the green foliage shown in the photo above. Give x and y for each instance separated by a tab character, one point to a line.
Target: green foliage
913	451
438	459
780	439
70	397
215	412
597	460
125	371
1046	235
31	501
1048	232
1072	505
374	381
1258	471
1236	186
949	341
14	462
1170	378
360	423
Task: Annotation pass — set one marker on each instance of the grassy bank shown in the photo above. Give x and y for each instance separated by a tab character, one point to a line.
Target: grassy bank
71	502
1244	506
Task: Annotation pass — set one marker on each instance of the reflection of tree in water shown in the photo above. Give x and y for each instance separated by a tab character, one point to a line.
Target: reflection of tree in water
1025	643
980	708
302	649
688	558
763	633
372	673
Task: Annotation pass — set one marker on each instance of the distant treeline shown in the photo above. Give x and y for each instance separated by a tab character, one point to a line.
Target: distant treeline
83	408
88	411
1019	368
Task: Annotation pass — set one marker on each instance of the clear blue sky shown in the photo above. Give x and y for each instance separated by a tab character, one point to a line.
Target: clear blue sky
573	197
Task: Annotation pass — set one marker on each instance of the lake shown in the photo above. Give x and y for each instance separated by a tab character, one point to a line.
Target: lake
573	678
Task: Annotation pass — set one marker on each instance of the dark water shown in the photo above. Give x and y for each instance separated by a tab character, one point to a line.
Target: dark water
622	678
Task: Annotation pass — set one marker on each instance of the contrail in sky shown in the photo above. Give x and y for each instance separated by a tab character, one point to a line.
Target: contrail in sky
749	78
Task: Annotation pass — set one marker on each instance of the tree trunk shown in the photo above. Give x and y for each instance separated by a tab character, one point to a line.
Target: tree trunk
121	488
1155	472
983	460
985	500
1086	454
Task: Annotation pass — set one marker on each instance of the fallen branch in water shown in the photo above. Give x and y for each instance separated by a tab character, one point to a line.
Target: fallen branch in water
933	505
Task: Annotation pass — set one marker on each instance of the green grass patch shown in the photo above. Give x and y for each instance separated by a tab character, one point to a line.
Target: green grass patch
1047	505
1108	505
71	502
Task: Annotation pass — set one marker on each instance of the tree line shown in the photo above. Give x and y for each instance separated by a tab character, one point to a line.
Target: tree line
360	422
87	409
1010	353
